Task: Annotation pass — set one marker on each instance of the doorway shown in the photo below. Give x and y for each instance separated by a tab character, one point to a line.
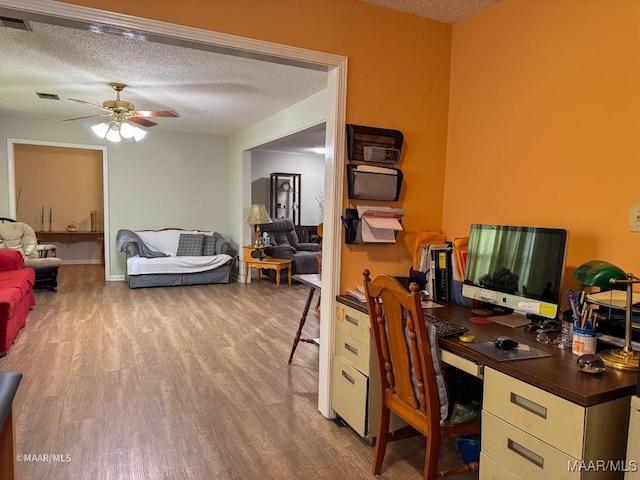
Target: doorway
44	220
336	67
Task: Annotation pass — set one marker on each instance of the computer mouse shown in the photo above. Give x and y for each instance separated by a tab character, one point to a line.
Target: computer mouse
505	343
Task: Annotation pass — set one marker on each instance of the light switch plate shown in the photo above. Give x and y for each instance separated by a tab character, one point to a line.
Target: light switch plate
634	219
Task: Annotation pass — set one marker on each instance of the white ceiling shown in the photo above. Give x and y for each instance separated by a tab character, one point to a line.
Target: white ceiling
214	93
447	11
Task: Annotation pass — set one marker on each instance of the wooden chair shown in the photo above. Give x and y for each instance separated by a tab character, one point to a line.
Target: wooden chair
409	367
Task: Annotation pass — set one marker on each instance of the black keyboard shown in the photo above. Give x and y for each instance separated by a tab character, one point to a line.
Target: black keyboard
444	328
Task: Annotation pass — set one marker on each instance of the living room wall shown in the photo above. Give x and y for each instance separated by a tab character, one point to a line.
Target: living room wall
169	179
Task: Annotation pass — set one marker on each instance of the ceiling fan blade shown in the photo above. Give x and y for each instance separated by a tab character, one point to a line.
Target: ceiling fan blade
142	121
88	116
159	113
90	104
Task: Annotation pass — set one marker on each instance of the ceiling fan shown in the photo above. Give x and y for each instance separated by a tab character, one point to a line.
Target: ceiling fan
122	110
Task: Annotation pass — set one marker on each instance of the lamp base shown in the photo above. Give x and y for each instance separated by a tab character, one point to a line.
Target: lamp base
620	359
257	243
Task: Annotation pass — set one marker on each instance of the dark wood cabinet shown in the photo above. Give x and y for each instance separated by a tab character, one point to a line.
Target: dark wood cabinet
284	197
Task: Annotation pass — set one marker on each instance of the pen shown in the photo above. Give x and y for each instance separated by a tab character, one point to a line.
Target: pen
583	315
574	307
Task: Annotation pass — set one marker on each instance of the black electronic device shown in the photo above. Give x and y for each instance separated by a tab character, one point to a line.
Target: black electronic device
257	254
505	343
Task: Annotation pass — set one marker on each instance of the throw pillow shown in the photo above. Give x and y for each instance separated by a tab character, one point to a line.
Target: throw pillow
190	245
209	247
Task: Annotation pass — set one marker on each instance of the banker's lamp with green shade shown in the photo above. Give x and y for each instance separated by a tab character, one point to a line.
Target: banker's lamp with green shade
598	273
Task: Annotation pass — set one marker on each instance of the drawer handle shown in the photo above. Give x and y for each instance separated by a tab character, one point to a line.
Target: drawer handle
351	320
348	377
353	350
525	453
528	405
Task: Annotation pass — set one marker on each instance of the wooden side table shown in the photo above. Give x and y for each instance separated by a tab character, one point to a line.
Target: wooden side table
270	263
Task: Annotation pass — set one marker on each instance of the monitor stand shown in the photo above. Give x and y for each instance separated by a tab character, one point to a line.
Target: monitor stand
513	320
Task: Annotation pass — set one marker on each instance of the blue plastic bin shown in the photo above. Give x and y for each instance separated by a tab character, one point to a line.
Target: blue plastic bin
470	448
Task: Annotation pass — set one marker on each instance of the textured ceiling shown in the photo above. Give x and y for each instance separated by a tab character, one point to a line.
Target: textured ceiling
447	11
213	93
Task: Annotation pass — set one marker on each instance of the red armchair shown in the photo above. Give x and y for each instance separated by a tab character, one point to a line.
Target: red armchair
16	296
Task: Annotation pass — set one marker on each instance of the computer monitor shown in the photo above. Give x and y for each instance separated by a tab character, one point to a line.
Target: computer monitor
516	270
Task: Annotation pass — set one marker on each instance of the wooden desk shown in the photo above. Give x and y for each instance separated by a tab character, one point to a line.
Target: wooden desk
543	405
314	281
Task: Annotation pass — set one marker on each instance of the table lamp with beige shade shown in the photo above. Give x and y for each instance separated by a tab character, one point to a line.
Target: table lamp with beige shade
257	216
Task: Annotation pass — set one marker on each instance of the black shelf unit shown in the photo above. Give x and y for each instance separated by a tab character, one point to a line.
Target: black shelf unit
284	196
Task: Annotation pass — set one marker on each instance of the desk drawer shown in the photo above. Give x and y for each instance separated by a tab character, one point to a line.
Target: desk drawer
353	351
492	470
461	363
349	394
523	454
548	417
353	323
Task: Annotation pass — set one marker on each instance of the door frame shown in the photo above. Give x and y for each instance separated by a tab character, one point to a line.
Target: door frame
12	142
335	65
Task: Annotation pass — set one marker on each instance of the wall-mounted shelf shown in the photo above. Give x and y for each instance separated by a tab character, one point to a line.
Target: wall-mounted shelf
373	144
366	182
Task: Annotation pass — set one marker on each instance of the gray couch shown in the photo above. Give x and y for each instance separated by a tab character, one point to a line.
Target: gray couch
217	263
285	244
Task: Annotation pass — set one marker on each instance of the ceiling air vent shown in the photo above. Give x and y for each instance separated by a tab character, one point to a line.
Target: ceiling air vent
48	96
16	23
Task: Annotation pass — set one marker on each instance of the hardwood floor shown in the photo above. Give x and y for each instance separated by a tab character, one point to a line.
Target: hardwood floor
179	383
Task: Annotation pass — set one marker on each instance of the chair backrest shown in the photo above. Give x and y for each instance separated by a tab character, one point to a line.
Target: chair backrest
407	375
281	231
19	236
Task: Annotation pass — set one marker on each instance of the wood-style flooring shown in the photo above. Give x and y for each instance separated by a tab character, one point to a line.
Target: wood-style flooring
180	383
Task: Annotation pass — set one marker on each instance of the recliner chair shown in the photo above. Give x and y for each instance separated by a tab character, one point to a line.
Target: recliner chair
285	244
21	237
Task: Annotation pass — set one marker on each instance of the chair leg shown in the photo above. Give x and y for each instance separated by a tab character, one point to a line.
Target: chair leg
432	452
469	467
381	440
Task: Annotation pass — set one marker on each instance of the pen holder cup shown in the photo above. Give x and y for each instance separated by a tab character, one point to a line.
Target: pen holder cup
584	341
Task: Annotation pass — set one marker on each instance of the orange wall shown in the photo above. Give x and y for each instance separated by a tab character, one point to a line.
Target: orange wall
544	123
398	77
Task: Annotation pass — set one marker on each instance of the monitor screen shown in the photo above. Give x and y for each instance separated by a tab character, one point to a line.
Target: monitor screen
516	268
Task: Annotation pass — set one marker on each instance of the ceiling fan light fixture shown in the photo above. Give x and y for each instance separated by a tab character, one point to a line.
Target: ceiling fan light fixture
127	130
113	135
115	131
100	129
138	134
